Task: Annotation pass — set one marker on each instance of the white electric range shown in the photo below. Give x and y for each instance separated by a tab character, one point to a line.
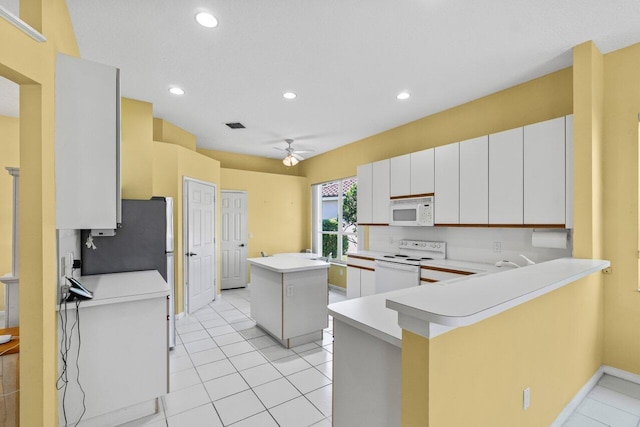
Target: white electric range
402	270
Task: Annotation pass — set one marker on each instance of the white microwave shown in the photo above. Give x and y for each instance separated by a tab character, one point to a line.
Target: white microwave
413	211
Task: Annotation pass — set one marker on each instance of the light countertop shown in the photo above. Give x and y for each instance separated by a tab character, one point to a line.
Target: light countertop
123	287
461	301
287	264
465	301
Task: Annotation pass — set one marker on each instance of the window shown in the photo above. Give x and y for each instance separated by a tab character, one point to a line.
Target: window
335	218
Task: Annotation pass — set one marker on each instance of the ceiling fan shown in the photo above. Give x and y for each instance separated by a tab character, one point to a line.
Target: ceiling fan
293	156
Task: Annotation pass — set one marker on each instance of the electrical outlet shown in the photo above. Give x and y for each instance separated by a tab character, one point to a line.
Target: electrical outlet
290	290
341	271
607	270
526	398
497	247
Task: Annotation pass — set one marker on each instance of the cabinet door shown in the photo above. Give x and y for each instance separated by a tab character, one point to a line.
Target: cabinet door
544	172
367	282
474	181
380	190
400	175
87	144
422	172
353	282
365	187
447	184
505	177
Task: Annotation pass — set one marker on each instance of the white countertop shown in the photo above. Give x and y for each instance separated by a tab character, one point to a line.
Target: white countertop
307	255
468	300
287	264
123	287
461	301
370	315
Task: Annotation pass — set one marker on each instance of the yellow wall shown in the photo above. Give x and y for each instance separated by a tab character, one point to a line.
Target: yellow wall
170	164
10	149
164	131
136	163
338	275
278	210
251	163
32	65
620	203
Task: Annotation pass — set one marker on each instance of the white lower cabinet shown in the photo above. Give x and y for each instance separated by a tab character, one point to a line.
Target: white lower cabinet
361	278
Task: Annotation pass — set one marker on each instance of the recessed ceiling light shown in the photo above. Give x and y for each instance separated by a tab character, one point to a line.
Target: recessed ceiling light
289	95
403	95
206	20
176	90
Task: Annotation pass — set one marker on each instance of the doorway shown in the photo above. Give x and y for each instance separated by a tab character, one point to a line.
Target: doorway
233	246
199	268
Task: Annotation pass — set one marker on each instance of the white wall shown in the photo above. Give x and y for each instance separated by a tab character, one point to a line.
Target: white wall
469	244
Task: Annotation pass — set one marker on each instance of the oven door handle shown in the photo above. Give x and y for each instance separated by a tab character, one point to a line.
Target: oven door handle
396	266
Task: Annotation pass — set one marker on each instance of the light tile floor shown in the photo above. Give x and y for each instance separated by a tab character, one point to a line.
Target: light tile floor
612	402
225	371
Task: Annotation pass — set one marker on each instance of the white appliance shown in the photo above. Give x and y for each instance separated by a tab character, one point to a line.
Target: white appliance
412	211
402	270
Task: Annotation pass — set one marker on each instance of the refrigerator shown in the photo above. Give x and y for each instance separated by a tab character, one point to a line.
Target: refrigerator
144	241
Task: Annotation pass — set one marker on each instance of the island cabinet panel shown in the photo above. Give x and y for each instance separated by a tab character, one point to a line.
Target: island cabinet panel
380	199
354	275
365	193
447	184
505	177
267	299
544	172
474	181
400	175
305	302
422	172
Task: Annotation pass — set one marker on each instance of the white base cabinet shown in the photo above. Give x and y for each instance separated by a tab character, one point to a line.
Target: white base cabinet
366	379
123	353
361	277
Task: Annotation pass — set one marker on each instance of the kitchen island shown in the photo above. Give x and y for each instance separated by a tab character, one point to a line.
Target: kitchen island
289	297
368	331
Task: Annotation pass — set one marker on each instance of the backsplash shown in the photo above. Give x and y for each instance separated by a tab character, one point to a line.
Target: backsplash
470	244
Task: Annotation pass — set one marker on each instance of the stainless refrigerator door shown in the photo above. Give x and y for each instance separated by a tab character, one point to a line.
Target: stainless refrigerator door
169	207
172	304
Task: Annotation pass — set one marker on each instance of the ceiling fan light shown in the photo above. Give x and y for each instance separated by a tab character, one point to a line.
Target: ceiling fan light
290	160
207	20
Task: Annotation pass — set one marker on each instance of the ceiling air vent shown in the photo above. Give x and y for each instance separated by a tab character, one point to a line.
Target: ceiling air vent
235	125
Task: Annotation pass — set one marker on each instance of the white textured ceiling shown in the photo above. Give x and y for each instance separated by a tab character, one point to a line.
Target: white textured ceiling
346	59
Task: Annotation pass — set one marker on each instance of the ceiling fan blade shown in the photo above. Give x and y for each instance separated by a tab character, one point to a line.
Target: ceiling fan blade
280	149
297	156
303	151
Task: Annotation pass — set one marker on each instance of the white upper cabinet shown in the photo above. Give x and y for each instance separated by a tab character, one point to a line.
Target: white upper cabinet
400	175
87	144
422	172
380	189
544	172
506	177
447	187
474	181
365	193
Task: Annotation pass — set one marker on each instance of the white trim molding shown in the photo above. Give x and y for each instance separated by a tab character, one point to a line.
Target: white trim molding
21	25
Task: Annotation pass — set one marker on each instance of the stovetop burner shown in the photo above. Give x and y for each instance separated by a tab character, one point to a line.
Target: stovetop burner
414	251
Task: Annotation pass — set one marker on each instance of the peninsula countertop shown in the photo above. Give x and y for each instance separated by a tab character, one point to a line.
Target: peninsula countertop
287	264
461	301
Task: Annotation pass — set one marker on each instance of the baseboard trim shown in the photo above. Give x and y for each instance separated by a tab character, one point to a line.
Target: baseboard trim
582	393
578	398
179	315
338	288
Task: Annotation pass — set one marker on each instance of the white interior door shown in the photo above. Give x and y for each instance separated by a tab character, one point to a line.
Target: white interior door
200	243
233	246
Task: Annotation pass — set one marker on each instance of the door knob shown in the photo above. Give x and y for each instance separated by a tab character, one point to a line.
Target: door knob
192	254
242	245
